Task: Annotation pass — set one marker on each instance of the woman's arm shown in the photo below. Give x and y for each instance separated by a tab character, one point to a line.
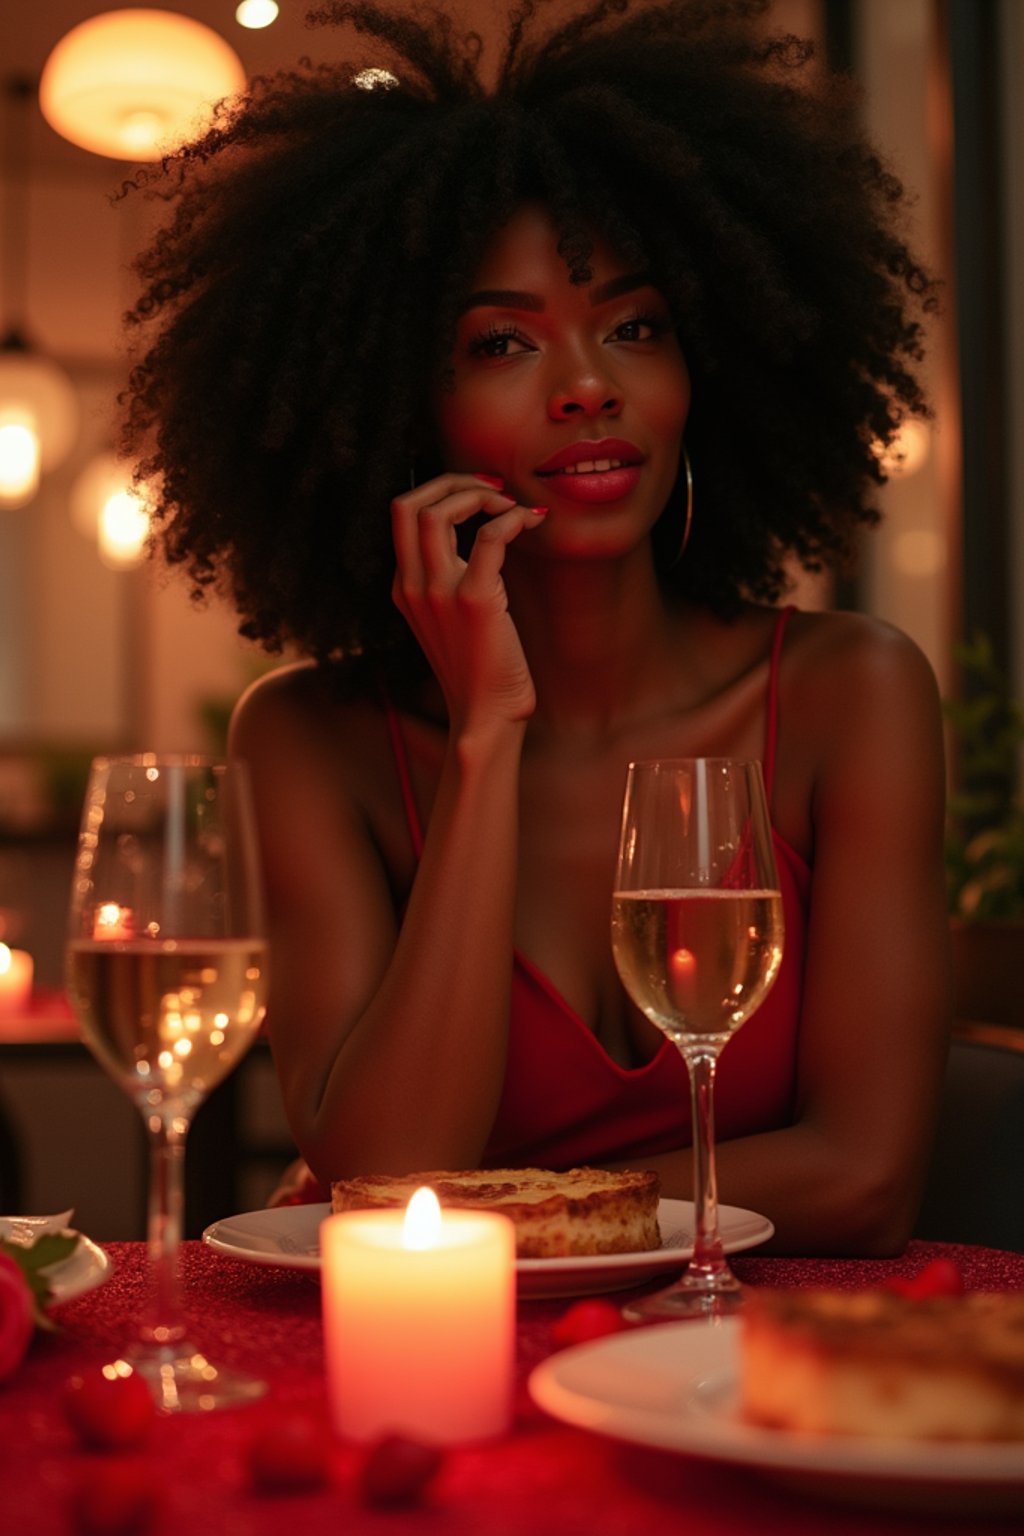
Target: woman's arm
847	1176
390	1041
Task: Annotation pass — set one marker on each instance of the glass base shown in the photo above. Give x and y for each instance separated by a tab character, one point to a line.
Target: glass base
694	1296
182	1380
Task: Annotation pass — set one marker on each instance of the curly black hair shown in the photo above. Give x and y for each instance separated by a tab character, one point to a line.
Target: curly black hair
327	228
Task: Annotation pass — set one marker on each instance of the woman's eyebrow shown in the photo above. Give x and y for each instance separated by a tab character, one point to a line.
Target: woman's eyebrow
516	298
504	298
616	286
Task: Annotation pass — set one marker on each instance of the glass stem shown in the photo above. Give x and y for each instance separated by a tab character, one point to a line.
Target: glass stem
164	1324
708	1261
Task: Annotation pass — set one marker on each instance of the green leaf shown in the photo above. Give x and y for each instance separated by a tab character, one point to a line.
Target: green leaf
49	1248
33	1259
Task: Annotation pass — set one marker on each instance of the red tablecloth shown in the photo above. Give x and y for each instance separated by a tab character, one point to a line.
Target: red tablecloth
543	1479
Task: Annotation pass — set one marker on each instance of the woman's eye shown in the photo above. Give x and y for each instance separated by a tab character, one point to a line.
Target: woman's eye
640	328
498	341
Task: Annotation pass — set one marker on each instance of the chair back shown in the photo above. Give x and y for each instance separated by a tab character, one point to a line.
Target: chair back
975	1187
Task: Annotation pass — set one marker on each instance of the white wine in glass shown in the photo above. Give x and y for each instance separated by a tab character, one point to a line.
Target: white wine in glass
697	934
167	973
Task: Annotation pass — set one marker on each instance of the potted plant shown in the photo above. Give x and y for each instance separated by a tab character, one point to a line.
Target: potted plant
985	841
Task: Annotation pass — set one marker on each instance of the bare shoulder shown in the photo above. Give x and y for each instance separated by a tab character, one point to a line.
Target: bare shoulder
854	668
320	751
859	716
302	704
272	702
290	693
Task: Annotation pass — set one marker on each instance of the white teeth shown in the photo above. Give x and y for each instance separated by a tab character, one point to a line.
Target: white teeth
592	466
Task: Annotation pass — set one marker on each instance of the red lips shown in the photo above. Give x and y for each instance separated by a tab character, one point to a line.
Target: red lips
607	470
613	448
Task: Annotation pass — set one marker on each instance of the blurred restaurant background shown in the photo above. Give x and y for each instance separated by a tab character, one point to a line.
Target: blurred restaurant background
100	651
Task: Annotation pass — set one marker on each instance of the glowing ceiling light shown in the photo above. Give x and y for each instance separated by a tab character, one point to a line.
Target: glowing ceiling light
38	420
107	508
373	78
256	13
38	404
124	528
19	461
908	449
134	84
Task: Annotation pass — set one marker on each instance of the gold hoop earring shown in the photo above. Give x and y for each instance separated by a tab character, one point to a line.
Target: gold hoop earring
688	520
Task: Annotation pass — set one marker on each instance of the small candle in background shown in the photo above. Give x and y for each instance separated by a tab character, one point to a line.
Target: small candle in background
112	921
15	980
682	977
419	1321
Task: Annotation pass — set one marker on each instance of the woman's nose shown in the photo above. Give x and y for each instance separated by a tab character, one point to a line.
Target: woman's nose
590	393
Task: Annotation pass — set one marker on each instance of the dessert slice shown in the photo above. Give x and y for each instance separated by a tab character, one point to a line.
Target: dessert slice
580	1212
881	1363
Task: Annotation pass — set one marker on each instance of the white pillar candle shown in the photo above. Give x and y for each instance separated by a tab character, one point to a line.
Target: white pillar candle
15	980
419	1326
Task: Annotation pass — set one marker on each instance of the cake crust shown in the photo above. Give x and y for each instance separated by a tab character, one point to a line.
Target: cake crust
578	1213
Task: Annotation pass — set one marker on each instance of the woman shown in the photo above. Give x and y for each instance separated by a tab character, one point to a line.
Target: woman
613	336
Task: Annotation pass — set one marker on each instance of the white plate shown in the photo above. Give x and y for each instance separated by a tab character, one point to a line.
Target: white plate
80	1272
675	1387
83	1270
290	1237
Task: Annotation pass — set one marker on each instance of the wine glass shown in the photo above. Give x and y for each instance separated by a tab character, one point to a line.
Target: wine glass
697	931
167	973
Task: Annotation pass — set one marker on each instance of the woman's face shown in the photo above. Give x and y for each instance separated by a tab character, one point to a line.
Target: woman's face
576	396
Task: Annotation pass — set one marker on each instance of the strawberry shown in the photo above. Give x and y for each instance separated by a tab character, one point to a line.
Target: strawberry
16	1316
590	1319
288	1452
110	1408
115	1497
396	1470
939	1278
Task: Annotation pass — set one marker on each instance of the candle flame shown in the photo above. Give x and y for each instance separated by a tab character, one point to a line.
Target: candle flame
112	921
5	959
684	963
422	1226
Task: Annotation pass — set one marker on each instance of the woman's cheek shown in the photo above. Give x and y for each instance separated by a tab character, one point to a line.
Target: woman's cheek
473	439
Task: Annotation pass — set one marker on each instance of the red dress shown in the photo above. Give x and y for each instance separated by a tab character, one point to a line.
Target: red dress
565	1102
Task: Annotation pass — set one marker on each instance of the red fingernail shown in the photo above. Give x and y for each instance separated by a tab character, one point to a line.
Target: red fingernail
494	480
539	511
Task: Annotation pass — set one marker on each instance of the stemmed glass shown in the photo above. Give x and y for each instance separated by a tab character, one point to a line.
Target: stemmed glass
697	933
167	973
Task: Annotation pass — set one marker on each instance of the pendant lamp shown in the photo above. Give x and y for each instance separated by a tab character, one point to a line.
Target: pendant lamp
38	405
256	14
134	84
109	511
38	419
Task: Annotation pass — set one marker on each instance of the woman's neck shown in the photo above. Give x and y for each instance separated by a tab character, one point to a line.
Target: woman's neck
600	640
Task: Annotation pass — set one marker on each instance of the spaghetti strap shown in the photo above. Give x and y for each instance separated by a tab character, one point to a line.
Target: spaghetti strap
772	723
404	776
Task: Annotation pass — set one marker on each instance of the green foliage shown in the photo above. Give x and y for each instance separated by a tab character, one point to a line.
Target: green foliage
985	837
33	1259
65	772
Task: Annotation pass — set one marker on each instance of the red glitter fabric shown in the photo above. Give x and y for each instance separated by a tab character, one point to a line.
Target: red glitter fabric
542	1479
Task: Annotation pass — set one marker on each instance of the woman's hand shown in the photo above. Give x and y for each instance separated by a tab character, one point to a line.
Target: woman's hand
298	1185
458	609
